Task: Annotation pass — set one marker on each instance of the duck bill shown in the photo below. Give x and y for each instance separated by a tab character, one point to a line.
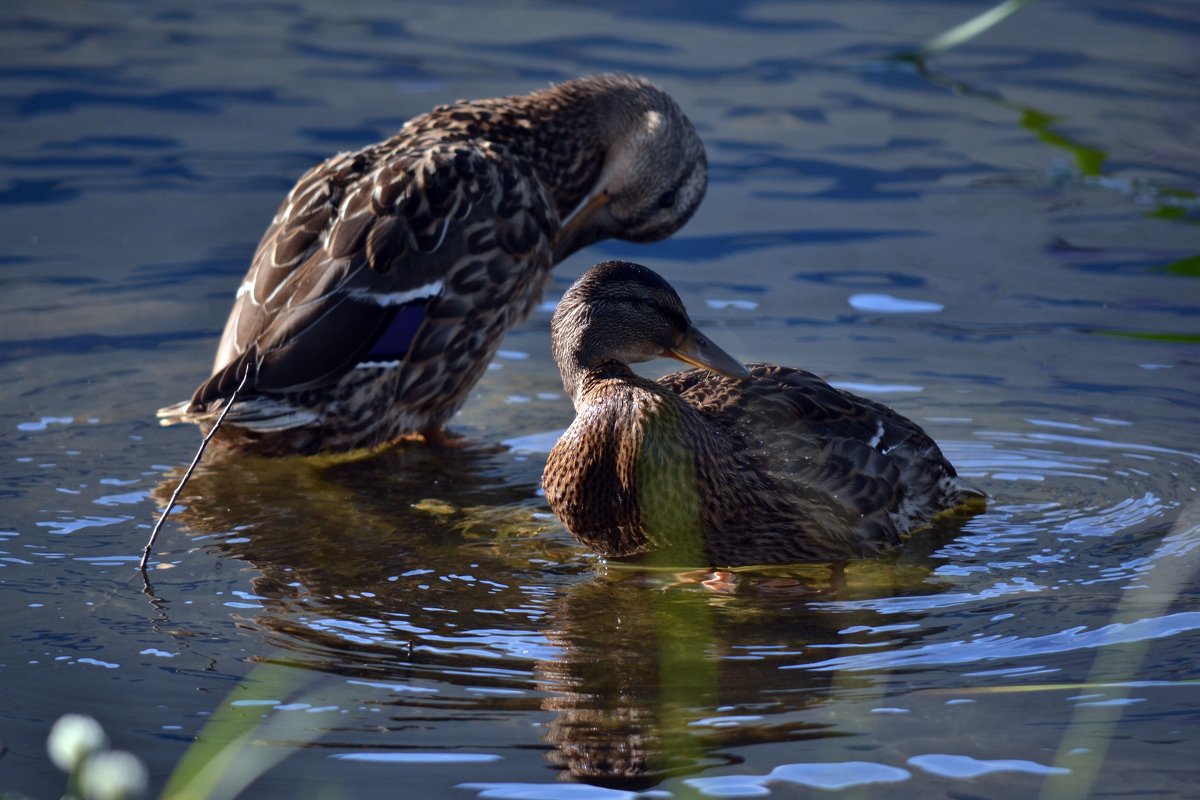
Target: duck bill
590	223
698	350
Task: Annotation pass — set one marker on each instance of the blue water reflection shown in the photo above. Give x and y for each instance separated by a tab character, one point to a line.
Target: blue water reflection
932	239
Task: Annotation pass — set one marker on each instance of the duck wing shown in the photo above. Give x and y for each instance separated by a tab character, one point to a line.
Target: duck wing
366	248
869	459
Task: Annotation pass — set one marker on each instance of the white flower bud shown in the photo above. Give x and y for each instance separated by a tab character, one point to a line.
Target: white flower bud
113	775
73	738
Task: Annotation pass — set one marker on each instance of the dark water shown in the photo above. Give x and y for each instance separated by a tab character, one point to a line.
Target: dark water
1004	248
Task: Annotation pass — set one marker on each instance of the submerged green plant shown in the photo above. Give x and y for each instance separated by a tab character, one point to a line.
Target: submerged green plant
1169	203
1189	266
1177	204
1089	160
1156	336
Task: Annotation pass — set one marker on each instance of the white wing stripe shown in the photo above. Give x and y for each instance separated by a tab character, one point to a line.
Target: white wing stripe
878	437
396	298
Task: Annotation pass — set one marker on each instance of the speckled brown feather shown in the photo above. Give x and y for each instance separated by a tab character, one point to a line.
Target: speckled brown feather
779	467
458	214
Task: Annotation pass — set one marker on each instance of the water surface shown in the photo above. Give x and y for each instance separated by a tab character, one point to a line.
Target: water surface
1003	247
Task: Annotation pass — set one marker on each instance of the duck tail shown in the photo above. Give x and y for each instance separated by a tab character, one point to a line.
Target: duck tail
175	413
965	490
959	493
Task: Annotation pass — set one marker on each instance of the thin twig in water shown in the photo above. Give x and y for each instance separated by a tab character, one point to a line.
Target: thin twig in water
175	495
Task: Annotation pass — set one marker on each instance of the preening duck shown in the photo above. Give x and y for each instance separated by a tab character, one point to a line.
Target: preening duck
724	465
389	275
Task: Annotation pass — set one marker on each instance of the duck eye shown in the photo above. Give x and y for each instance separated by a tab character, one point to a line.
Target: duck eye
650	302
666	199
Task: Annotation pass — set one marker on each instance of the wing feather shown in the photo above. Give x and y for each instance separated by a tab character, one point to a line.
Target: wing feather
867	457
360	237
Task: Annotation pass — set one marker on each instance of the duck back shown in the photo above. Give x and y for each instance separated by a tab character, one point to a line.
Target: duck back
877	464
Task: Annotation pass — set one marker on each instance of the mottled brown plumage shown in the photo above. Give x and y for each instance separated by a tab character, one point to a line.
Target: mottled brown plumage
389	275
722	466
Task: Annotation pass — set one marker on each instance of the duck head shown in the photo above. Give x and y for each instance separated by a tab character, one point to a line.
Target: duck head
654	175
624	313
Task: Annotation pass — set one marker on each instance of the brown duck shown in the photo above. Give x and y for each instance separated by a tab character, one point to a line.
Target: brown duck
389	276
724	465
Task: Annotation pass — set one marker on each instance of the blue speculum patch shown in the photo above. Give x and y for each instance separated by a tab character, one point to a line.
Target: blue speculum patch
397	339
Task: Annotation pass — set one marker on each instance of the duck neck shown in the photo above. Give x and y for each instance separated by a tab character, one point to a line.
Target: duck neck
568	131
581	381
583	357
646	446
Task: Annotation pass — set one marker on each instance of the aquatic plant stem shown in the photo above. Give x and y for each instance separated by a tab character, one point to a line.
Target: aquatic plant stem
1093	727
192	468
970	29
239	744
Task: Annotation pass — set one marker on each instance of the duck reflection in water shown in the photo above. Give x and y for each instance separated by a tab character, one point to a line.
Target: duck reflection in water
432	570
660	681
333	524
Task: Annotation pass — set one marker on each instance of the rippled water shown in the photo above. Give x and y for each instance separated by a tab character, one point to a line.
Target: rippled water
1003	248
